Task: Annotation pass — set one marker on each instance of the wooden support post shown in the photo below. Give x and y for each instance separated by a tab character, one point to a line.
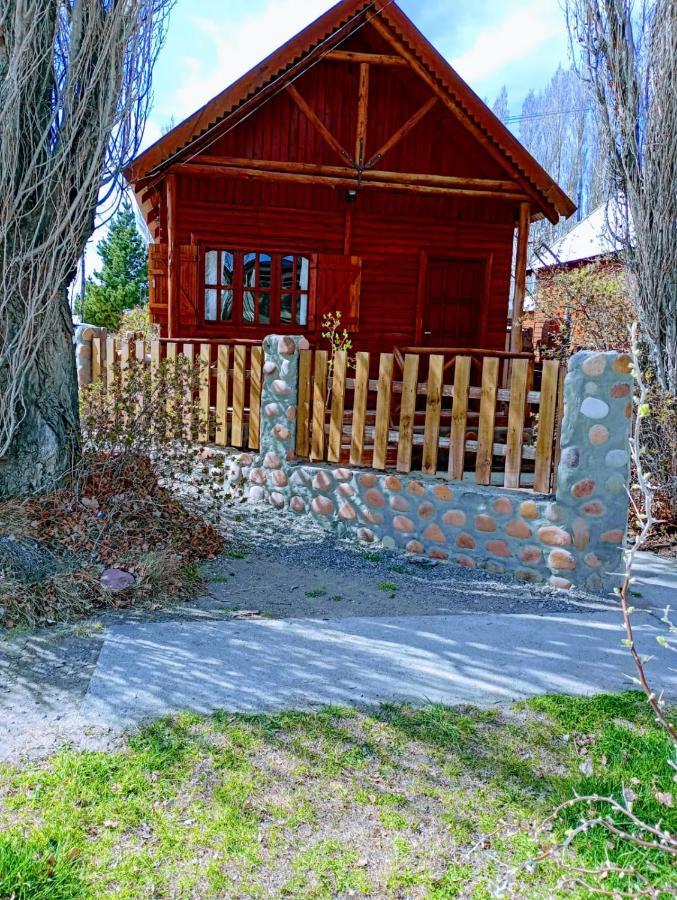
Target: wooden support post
173	259
520	277
362	114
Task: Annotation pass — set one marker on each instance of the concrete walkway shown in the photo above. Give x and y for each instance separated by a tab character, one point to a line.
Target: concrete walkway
441	638
147	670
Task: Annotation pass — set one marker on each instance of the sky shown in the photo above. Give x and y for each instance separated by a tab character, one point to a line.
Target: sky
210	43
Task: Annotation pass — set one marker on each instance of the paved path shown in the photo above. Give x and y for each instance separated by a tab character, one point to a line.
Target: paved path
82	684
146	670
656	581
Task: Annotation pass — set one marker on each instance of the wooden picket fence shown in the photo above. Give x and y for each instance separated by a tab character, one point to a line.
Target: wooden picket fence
497	435
228	389
491	427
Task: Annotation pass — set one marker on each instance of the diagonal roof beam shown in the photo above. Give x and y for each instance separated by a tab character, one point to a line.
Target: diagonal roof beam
319	125
539	199
402	132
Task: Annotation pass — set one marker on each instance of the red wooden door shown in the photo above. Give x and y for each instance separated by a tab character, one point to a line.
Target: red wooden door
454	302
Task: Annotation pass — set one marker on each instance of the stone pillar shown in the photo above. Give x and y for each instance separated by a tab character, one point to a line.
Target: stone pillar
279	398
594	470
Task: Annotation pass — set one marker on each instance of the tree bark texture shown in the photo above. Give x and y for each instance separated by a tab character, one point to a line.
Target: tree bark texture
45	443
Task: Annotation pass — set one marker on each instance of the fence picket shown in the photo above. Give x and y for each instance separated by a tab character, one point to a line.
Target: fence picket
432	414
189	398
125	354
360	398
173	400
459	418
255	398
338	395
154	363
205	384
97	360
485	438
319	403
239	377
140	357
516	417
110	362
303	414
383	400
407	412
557	440
546	426
222	363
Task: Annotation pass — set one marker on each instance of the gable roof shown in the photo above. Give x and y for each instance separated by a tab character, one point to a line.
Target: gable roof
308	47
595	237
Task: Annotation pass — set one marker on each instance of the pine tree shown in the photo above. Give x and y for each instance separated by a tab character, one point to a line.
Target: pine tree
122	282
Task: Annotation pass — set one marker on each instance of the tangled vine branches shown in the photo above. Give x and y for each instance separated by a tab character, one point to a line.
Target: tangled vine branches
75	78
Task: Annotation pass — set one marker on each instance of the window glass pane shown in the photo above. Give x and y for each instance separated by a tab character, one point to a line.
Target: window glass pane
250	269
302	273
265	270
286	307
211	266
226	306
227	265
288	273
248	307
264	308
302	309
210	305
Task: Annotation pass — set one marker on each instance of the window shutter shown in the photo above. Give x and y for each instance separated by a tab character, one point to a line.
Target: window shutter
188	284
339	282
157	283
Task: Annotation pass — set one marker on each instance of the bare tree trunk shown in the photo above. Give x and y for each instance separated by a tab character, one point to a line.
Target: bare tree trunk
74	96
46	441
626	52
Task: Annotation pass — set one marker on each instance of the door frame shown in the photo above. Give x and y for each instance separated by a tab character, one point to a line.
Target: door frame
424	257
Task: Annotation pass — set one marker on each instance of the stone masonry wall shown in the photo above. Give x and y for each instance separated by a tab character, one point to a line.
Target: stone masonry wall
573	538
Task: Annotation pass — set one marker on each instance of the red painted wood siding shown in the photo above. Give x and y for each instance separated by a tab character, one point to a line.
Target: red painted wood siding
392	232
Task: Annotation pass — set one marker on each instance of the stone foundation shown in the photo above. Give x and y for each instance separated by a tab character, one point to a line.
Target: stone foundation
574	537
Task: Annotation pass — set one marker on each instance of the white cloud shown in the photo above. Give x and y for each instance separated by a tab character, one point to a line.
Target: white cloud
521	32
231	50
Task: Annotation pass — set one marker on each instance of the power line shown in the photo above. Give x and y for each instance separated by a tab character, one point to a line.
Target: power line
544	115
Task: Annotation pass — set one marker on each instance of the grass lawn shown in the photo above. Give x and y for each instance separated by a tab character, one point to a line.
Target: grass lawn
390	802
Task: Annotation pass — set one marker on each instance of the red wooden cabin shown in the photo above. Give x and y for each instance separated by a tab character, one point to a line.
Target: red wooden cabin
351	170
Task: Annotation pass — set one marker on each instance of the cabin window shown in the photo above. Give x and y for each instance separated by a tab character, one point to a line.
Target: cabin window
256	288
